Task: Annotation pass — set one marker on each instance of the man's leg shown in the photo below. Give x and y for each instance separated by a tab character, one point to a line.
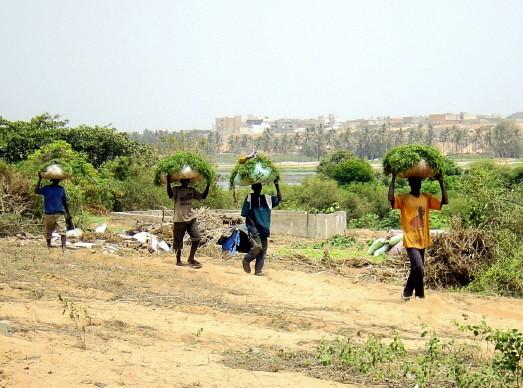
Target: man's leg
49	227
260	259
415	280
194	233
254	237
178	232
419	289
61	228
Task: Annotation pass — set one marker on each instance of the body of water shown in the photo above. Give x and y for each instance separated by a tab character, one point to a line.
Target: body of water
289	177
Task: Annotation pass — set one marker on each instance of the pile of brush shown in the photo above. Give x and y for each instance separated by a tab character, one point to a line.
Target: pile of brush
457	256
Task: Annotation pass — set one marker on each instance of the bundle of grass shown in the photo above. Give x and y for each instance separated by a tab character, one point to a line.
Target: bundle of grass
183	165
415	160
256	168
455	258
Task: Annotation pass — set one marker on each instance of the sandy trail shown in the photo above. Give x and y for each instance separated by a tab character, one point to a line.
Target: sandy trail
149	323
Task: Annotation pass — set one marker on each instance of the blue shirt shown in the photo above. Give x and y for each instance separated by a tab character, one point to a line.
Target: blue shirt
257	212
54	197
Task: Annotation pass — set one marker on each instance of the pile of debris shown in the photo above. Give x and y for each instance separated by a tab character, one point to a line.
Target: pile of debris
455	257
151	237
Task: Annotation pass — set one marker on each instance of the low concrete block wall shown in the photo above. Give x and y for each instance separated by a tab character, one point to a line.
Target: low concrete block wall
291	223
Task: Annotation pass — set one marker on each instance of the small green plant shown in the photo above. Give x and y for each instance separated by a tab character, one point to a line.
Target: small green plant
508	347
79	316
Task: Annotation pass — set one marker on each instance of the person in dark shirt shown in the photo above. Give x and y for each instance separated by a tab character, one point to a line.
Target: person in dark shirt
185	219
257	212
55	207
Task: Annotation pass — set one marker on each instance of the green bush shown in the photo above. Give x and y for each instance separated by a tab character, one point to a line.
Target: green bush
329	163
317	192
346	168
358	199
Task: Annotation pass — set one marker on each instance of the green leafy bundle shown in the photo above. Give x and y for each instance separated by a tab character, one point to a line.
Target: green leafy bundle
174	164
402	158
245	170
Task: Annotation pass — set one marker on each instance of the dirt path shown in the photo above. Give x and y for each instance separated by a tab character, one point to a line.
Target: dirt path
148	323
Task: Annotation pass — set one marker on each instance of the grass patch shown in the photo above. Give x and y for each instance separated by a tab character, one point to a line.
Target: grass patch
488	361
338	248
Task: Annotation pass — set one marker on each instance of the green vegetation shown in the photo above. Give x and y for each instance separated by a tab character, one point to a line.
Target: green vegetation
346	168
335	248
246	170
372	360
403	157
175	163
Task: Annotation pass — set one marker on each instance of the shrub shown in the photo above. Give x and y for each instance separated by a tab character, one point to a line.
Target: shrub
358	199
346	168
353	170
317	192
328	163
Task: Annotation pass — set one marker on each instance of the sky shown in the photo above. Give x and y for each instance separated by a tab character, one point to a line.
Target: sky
178	64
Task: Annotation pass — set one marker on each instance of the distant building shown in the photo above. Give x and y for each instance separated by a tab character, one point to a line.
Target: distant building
468	116
228	124
444	118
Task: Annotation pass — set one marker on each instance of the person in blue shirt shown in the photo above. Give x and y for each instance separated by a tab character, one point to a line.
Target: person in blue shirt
257	212
55	208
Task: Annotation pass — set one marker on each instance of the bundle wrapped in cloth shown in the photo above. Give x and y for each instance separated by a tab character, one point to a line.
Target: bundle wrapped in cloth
183	165
254	168
414	160
56	171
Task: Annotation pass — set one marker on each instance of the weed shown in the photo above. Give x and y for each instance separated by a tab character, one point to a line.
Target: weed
79	316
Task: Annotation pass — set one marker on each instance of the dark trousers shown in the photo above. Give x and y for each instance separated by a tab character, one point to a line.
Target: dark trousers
258	250
417	271
179	229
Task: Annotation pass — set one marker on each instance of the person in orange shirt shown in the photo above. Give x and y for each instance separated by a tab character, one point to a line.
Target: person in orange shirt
414	215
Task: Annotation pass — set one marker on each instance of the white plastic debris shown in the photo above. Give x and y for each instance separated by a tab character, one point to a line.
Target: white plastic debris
153	247
101	228
164	246
142	237
75	233
84	245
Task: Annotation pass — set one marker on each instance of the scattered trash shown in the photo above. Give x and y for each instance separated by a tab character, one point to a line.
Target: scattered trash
84	245
164	246
142	237
75	233
101	228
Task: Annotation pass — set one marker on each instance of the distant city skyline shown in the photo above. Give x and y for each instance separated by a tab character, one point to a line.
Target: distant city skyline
180	64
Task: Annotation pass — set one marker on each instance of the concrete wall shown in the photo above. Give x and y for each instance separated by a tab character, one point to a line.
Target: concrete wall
292	223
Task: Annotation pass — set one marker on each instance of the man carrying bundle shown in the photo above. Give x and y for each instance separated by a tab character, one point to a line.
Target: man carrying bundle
184	218
257	212
55	206
414	214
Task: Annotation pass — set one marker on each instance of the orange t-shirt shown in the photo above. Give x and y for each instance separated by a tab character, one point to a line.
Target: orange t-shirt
414	216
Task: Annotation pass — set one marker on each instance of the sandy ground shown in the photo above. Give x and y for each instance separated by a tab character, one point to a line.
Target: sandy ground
137	320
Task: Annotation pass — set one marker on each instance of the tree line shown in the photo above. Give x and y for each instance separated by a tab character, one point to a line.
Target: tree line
504	140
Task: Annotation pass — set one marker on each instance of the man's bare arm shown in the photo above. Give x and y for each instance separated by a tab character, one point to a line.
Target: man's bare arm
391	190
170	192
444	195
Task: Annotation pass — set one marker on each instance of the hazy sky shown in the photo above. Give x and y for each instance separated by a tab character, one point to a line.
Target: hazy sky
178	64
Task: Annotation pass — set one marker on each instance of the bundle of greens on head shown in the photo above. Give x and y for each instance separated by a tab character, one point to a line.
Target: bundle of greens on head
256	169
402	158
177	163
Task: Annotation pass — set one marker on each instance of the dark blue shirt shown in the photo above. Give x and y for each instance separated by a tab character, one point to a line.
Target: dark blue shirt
257	212
54	197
